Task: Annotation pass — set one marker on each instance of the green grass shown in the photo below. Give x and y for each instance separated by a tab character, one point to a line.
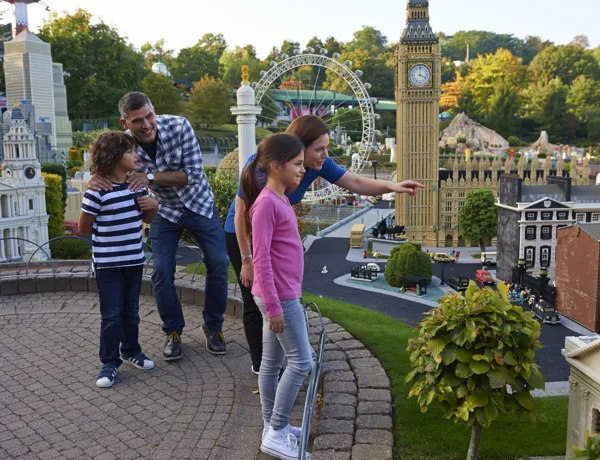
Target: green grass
202	271
428	436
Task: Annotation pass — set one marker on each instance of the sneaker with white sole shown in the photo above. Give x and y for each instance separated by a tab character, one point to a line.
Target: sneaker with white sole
107	375
139	360
281	444
296	431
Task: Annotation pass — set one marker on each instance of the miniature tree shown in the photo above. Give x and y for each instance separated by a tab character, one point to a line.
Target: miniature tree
407	259
473	357
479	217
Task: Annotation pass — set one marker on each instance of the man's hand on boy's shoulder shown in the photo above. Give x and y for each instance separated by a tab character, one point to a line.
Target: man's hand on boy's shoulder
147	203
137	181
98	183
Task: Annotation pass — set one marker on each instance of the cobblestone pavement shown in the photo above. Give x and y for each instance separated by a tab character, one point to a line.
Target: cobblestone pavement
200	407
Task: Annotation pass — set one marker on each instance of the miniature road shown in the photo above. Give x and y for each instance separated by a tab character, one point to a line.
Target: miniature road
332	253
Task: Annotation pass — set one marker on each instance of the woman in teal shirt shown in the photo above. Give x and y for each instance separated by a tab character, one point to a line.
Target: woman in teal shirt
314	134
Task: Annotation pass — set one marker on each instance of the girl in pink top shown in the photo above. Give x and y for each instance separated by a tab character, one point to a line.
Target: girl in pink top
278	267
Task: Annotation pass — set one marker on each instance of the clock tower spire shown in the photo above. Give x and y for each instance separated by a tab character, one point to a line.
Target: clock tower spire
418	90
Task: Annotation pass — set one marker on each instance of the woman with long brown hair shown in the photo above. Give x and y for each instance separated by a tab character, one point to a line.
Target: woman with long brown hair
314	134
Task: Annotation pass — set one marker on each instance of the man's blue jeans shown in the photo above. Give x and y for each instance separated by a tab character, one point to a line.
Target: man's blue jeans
119	293
164	236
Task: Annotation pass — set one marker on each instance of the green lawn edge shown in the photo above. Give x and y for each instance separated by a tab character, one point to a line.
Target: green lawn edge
428	436
202	271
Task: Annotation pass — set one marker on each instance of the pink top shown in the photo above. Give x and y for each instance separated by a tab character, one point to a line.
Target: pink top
278	253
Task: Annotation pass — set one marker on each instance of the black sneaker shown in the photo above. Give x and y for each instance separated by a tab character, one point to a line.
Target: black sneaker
139	360
215	341
107	375
172	350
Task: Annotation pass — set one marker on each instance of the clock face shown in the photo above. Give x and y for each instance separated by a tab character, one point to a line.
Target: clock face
29	172
420	75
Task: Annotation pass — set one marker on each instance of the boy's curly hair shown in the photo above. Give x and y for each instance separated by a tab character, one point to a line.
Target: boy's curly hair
107	150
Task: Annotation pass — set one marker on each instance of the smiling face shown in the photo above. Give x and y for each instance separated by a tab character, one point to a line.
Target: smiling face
142	124
316	153
290	173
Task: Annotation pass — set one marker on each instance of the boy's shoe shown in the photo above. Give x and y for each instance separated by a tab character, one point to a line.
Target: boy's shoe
172	350
215	342
281	444
139	360
296	431
107	375
253	371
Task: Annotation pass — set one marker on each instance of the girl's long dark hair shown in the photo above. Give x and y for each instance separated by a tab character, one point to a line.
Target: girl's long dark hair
279	147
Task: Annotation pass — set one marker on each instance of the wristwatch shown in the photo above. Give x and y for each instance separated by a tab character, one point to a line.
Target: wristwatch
150	177
249	256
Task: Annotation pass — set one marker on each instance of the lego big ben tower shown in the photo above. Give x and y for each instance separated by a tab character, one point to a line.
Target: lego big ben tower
418	90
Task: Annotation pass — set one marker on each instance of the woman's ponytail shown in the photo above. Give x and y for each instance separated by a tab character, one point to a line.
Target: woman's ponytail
250	192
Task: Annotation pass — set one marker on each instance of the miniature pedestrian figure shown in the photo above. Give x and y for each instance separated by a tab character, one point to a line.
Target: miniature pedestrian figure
418	289
365	254
324	271
457	255
376	255
452	252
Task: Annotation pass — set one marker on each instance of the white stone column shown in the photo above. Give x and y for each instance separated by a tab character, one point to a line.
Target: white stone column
2	244
246	111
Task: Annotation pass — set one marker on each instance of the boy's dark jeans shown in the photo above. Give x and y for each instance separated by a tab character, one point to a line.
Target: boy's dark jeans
119	292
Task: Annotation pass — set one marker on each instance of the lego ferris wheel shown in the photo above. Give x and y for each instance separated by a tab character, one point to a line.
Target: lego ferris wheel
317	102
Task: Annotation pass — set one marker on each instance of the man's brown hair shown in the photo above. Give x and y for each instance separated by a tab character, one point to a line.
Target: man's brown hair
108	149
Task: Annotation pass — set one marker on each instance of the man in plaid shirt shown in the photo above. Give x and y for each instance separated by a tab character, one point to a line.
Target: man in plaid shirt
170	164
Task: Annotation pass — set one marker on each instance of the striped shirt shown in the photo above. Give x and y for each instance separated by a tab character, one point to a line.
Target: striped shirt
117	230
177	149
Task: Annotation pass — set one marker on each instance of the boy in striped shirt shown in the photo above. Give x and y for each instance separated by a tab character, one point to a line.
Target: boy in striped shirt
114	219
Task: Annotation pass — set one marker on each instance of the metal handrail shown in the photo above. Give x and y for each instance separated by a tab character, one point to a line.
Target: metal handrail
311	392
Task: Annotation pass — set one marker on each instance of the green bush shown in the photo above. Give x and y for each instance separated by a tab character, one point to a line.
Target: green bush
56	168
210	172
461	140
54	205
73	170
407	259
74	154
542	155
71	249
514	141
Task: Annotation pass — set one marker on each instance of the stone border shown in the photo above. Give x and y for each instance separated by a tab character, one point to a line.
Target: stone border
356	418
189	293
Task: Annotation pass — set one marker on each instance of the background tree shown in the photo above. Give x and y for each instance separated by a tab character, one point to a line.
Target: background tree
563	62
407	259
156	52
232	61
503	109
163	93
350	119
489	71
100	65
479	217
554	110
581	41
466	353
583	98
201	59
210	100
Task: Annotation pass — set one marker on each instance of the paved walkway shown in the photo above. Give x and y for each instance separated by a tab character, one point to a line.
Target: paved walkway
200	407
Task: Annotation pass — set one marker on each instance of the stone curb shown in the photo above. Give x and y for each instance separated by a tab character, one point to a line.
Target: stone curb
188	293
355	422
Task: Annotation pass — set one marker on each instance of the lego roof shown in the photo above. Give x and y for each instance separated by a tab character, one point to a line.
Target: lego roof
533	193
585	193
591	229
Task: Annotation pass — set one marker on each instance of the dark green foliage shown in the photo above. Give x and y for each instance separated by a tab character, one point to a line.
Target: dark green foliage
407	259
71	249
54	206
56	168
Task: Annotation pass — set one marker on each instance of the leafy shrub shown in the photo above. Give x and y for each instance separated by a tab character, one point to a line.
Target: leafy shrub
71	249
56	168
74	169
467	353
54	205
407	259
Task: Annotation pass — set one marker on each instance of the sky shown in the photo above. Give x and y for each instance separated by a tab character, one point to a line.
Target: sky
266	23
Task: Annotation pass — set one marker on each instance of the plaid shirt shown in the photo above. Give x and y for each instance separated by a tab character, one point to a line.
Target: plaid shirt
178	150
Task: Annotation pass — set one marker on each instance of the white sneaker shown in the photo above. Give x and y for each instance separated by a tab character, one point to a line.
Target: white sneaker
296	431
281	444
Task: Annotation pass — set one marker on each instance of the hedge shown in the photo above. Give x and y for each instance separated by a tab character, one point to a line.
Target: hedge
71	249
55	168
54	205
